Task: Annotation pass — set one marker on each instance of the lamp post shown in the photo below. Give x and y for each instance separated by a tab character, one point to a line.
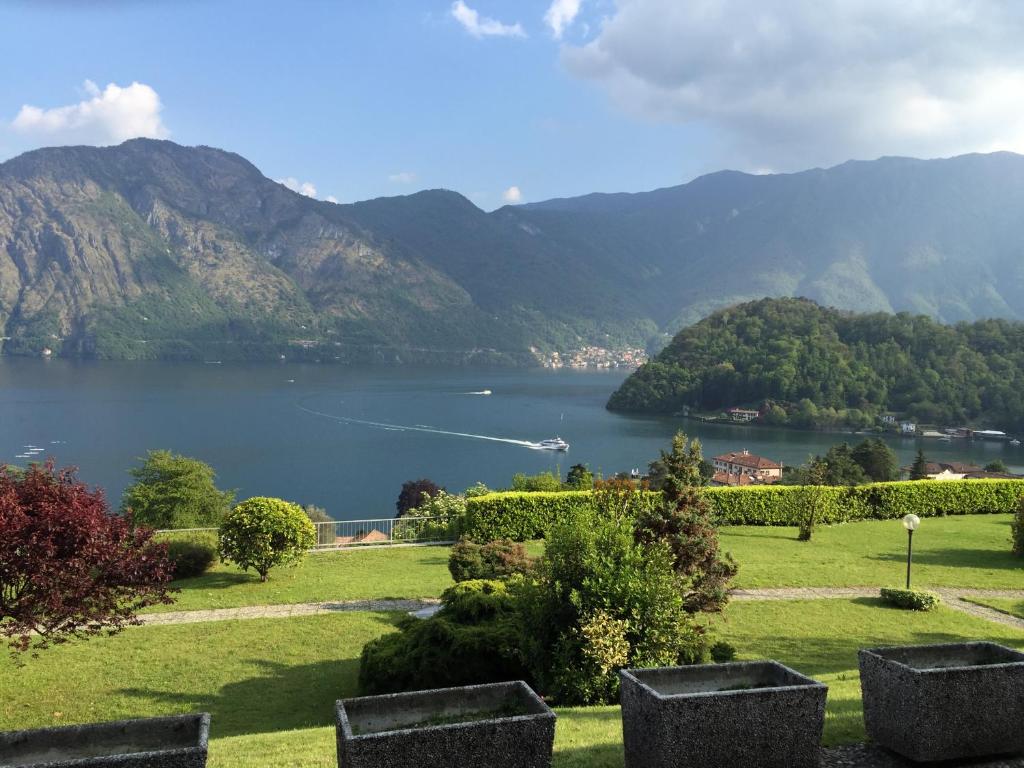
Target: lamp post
910	522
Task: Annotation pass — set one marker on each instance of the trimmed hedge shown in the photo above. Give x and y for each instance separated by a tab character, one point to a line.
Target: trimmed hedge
521	516
910	599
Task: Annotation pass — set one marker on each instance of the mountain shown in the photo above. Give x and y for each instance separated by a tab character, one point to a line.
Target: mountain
154	250
796	362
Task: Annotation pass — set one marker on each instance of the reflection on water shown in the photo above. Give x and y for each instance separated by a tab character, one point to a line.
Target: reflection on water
346	438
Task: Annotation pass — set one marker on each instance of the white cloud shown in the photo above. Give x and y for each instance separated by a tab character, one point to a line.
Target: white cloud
402	177
108	116
561	14
790	83
306	188
331	199
481	26
512	195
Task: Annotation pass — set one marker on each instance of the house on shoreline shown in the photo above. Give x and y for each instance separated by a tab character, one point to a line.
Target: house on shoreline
741	468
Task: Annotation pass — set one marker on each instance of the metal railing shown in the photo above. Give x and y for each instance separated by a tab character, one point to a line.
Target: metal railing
342	534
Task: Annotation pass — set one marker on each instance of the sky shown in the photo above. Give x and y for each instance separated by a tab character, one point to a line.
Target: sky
511	101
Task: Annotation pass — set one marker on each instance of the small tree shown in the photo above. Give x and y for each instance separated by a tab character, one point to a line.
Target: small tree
412	492
172	491
919	469
676	472
261	533
877	459
998	466
579	478
68	567
683	521
1017	528
809	496
542	481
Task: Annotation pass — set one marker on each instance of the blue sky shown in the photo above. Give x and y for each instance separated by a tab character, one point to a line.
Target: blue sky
382	97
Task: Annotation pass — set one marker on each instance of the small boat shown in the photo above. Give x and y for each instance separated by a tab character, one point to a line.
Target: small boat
553	444
1015	442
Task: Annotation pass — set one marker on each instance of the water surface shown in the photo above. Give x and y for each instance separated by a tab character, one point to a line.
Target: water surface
346	438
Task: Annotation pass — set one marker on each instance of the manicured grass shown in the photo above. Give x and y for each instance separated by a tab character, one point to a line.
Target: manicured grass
960	551
368	574
820	638
1012	606
270	684
252	676
964	551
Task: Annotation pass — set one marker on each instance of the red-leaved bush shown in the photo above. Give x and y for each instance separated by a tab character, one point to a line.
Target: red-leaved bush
68	567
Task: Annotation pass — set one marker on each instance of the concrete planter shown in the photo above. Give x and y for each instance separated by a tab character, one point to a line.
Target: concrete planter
501	725
758	714
944	702
158	742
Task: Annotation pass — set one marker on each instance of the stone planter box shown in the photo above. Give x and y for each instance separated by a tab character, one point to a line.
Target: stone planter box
944	702
158	742
756	714
501	725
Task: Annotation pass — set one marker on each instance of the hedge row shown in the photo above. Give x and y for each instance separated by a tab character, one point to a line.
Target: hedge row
522	516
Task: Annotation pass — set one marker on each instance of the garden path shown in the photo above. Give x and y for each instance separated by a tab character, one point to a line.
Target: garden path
953	598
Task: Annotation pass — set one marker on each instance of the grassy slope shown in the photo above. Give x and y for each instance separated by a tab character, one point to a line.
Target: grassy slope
271	683
969	551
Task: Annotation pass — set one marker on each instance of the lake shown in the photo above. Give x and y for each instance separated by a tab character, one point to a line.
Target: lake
346	438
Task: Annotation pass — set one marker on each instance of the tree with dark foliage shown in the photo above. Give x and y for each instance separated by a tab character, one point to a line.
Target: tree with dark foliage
412	494
69	568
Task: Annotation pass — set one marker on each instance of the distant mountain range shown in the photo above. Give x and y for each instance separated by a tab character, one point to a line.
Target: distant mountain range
154	250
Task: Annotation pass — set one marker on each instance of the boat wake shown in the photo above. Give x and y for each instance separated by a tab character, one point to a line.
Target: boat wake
481	392
419	428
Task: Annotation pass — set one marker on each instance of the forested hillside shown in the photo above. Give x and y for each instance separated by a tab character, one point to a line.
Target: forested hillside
809	365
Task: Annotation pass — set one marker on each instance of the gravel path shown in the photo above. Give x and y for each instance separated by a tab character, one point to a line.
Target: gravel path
284	611
950	597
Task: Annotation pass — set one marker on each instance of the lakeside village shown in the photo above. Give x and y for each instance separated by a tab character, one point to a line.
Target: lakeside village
889	423
591	357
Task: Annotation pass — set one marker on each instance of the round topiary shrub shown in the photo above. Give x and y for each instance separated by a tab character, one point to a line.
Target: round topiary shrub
190	558
261	533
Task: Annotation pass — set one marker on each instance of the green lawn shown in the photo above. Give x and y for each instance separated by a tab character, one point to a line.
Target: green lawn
966	551
399	572
270	684
1012	606
961	551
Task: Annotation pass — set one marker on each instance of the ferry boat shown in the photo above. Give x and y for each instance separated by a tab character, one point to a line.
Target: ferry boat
553	444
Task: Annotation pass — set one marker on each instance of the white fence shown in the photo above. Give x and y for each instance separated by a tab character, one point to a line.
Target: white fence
343	534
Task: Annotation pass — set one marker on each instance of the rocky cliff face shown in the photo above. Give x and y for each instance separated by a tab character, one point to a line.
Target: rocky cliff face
150	249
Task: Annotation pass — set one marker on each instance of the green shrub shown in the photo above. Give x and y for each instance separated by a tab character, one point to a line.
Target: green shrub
473	639
495	560
470	602
261	533
191	557
601	601
523	516
721	652
437	518
910	599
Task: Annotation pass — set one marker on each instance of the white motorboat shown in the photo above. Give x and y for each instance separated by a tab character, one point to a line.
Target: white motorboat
553	444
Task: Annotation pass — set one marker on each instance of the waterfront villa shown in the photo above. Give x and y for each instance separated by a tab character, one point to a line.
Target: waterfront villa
745	468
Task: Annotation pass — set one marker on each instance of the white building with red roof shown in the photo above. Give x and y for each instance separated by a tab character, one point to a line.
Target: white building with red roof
745	468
